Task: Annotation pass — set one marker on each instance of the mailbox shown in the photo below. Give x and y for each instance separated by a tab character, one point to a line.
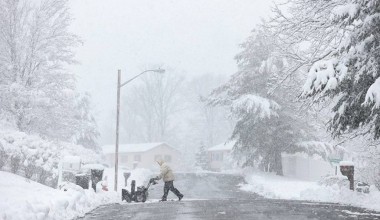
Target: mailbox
347	169
96	176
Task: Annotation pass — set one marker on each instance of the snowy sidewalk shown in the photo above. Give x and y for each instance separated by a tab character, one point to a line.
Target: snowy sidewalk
277	187
25	199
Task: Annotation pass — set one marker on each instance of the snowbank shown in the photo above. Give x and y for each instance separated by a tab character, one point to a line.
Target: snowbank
25	199
277	187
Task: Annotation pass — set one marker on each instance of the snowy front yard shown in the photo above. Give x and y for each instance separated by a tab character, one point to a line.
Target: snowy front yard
278	187
25	199
22	198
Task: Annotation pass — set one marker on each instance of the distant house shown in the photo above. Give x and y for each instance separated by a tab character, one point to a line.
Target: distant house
142	155
302	166
318	160
219	156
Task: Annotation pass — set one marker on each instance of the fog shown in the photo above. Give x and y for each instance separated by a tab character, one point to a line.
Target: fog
193	37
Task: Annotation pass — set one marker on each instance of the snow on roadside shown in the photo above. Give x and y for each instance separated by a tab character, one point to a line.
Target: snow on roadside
25	199
277	187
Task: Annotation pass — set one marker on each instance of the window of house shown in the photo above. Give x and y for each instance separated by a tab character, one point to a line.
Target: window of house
213	156
138	157
168	158
217	156
157	157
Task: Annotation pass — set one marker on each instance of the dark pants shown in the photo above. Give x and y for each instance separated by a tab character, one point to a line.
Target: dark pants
169	186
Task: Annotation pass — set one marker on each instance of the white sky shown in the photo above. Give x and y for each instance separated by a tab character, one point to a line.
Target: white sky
194	36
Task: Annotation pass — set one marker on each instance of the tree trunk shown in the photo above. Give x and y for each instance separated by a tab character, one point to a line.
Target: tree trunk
277	164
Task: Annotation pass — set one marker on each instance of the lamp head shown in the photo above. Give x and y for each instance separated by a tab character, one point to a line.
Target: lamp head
159	70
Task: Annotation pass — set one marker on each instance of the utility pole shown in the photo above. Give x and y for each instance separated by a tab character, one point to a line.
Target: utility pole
117	128
119	85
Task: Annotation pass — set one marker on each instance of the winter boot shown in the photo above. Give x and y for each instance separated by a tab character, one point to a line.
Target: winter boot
180	197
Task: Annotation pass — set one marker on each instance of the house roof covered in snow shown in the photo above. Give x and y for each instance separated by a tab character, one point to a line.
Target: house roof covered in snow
223	147
132	148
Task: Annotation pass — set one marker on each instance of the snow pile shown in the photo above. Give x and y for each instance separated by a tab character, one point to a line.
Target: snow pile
346	163
25	199
264	107
277	187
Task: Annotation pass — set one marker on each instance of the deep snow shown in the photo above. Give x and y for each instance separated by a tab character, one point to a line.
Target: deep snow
22	198
278	187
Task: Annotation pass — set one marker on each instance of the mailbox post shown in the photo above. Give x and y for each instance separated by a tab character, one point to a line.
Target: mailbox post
126	176
347	169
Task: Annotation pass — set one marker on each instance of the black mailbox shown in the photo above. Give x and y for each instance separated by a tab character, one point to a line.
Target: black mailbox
96	176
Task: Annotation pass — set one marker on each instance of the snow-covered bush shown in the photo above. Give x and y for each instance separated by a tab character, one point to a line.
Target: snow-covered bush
39	158
15	163
30	169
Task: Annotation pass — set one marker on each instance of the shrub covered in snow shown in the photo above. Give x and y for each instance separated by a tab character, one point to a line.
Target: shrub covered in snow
36	158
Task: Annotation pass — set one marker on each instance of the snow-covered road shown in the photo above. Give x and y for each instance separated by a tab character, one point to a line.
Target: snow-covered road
216	196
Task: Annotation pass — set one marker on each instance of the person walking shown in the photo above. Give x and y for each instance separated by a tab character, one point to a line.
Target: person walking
166	174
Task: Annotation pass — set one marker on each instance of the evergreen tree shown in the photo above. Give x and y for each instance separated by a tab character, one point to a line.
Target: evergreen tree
266	124
337	41
201	157
88	131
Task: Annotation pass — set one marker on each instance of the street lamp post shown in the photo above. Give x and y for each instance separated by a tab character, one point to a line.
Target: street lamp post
119	85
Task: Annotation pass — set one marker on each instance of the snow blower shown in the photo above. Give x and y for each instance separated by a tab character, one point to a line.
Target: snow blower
137	195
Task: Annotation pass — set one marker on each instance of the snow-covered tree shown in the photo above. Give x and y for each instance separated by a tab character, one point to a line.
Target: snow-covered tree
37	92
201	157
88	131
266	124
337	41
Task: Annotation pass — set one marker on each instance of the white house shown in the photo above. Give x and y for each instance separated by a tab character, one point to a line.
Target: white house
302	166
142	155
219	156
318	160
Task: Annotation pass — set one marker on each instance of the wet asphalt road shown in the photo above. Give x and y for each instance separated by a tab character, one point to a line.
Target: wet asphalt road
217	196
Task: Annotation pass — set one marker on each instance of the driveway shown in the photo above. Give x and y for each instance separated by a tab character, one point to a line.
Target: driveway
217	196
